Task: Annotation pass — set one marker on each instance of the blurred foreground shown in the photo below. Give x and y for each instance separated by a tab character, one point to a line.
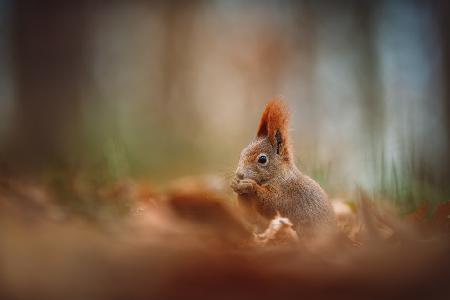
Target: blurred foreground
190	242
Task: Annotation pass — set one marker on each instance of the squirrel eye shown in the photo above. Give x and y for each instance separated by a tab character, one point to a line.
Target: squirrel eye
262	159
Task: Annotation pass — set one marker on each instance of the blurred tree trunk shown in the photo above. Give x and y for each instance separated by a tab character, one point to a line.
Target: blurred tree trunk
370	86
48	41
306	25
369	83
177	81
442	12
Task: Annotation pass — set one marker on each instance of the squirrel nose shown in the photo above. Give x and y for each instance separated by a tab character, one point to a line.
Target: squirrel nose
240	175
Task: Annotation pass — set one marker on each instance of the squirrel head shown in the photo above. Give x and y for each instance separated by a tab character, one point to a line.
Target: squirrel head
269	154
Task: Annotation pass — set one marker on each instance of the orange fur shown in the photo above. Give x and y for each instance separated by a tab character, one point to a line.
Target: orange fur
275	117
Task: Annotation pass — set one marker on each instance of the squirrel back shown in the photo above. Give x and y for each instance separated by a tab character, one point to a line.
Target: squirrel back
268	182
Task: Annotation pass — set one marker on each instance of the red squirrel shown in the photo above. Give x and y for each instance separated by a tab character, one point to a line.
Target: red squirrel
268	182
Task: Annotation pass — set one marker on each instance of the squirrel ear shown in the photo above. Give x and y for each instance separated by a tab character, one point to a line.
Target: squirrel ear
274	124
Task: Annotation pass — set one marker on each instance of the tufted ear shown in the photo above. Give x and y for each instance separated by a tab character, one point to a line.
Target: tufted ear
274	125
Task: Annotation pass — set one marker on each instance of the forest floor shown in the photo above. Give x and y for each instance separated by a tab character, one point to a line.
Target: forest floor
132	240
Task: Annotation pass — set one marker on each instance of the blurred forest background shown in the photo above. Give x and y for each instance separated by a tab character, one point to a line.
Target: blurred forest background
159	90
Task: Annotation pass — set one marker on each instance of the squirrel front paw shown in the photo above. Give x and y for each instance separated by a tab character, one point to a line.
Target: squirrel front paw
244	186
